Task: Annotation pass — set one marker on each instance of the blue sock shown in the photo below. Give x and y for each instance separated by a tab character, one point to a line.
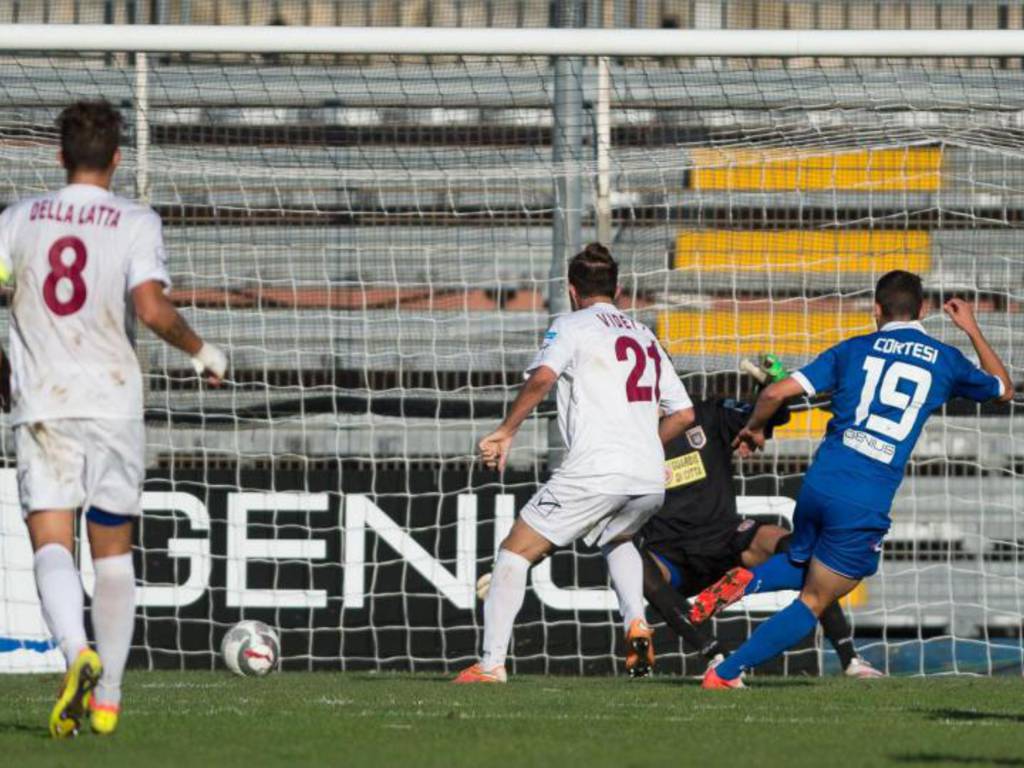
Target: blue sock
776	573
783	630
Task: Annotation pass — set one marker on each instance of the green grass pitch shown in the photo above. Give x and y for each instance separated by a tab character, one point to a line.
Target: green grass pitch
194	719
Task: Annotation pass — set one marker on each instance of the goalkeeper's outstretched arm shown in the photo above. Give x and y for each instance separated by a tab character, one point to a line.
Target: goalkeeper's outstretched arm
771	399
154	309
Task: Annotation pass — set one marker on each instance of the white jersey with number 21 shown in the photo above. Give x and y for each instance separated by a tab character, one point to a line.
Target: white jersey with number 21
74	256
613	379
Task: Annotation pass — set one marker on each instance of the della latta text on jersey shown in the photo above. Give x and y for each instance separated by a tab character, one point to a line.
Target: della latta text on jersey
60	211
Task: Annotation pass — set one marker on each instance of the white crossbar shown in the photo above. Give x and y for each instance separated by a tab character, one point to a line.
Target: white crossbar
492	41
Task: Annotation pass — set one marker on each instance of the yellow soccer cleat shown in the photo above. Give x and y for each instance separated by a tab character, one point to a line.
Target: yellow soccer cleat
103	717
73	699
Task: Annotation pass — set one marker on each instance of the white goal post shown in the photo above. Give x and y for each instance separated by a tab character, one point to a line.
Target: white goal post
365	218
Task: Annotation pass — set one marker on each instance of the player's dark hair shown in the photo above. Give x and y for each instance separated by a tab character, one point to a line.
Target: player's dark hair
90	132
900	295
593	272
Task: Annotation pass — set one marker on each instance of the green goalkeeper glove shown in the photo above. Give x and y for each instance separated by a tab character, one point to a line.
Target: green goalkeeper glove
773	366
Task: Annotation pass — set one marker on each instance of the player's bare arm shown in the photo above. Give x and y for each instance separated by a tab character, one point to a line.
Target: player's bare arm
158	313
494	448
752	437
962	315
673	425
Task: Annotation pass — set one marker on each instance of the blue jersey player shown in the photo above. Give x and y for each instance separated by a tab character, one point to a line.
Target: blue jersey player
884	386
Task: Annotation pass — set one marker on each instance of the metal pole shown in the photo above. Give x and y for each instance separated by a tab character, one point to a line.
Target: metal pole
604	145
604	137
142	128
567	156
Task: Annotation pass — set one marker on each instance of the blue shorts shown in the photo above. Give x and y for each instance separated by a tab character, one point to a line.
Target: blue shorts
844	537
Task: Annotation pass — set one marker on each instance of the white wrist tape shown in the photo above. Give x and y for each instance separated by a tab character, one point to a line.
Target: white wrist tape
209	359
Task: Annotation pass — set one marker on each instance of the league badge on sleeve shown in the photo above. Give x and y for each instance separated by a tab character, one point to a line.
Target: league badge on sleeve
745	525
696	438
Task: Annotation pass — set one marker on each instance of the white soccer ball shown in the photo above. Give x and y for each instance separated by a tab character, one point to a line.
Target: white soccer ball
483	587
251	649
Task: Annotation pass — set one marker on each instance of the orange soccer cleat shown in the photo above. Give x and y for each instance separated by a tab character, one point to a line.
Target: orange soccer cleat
639	649
720	595
714	682
477	674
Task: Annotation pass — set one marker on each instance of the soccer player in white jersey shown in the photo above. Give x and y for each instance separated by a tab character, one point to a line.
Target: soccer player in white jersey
614	381
79	259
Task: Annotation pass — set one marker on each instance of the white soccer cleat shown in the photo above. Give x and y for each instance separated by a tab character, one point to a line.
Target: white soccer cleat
860	669
715	661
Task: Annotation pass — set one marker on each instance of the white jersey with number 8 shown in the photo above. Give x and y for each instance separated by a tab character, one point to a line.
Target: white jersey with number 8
74	256
613	379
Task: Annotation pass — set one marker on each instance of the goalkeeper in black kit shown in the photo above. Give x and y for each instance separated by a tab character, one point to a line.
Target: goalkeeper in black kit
698	535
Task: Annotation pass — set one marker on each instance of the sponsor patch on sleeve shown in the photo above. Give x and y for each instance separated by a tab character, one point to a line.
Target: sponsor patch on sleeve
684	470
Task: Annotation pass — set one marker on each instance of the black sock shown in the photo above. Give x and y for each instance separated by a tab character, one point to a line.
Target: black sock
673	608
833	621
838	631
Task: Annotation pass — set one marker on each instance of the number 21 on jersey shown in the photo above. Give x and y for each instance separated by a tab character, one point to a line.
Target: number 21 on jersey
886	389
627	347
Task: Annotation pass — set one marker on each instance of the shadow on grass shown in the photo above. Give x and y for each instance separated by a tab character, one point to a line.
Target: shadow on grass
11	727
753	683
772	682
782	682
392	677
933	758
972	715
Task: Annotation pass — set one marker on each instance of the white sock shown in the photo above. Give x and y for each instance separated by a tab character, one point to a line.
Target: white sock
508	588
60	593
113	620
627	572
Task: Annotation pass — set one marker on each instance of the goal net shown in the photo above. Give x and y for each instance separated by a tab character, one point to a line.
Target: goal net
371	240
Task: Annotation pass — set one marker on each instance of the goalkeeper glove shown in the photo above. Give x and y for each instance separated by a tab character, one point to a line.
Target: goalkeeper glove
773	366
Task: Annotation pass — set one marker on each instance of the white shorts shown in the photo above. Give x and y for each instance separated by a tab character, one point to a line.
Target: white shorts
563	512
81	463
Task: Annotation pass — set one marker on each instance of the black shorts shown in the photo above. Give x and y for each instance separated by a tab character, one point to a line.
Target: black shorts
692	572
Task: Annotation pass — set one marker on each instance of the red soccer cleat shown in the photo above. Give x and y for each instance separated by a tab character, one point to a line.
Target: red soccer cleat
713	682
723	593
477	674
639	649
